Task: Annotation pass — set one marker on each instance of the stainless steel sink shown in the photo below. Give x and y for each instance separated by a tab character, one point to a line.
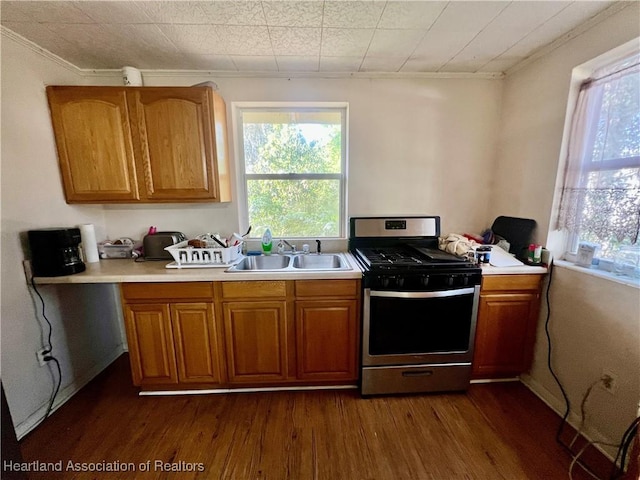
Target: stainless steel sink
291	263
319	262
272	262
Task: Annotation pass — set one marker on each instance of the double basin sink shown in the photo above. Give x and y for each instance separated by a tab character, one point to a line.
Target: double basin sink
298	262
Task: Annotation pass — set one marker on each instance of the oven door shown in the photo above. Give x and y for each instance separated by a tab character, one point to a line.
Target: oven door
401	328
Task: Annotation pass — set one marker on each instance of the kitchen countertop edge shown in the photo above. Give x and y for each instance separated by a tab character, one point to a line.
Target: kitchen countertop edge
128	271
516	270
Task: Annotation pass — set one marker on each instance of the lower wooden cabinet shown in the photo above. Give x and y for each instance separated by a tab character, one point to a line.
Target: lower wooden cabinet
242	334
326	339
172	337
256	341
196	343
506	328
151	347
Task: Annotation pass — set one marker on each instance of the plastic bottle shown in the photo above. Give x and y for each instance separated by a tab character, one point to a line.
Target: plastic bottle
537	255
267	242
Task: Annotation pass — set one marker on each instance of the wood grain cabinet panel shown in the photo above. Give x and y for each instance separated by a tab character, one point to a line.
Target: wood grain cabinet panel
151	347
174	132
242	333
256	341
173	334
506	327
326	340
196	343
141	144
93	139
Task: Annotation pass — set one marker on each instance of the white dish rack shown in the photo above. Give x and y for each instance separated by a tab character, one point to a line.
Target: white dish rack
187	256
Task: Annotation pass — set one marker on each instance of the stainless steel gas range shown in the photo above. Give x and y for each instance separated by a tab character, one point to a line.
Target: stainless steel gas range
419	307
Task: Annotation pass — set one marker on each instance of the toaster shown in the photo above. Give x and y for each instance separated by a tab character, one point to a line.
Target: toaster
154	245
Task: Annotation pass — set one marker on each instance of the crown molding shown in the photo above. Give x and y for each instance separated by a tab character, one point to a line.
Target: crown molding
5	32
541	52
110	73
322	75
570	35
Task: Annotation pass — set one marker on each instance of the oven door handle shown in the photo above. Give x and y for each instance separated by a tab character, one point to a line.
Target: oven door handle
443	293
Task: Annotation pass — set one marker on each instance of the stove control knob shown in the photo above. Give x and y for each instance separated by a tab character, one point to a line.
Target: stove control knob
465	280
383	282
424	280
400	282
449	280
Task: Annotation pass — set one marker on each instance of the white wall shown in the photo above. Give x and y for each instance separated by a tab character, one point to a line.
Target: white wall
595	323
85	319
415	147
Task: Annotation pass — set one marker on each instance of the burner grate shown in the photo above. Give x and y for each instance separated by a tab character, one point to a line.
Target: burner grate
390	256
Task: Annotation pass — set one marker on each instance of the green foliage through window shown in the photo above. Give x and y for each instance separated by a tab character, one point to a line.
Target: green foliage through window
294	171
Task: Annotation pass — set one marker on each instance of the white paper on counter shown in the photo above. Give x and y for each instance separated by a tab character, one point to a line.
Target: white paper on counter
501	258
89	244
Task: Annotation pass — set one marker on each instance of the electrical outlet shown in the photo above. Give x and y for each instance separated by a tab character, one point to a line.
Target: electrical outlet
40	354
609	382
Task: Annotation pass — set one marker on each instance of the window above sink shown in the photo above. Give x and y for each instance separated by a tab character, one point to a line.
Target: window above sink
292	164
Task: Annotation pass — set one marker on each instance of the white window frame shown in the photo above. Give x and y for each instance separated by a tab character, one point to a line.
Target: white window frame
560	240
241	177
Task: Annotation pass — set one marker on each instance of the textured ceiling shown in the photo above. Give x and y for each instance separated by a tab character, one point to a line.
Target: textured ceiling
297	36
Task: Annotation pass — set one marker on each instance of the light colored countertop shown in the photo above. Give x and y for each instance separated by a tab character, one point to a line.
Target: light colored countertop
127	271
516	270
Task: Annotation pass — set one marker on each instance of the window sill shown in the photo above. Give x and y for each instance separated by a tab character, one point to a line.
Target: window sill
595	272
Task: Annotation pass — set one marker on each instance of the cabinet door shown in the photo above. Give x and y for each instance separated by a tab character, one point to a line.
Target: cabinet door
150	339
505	334
173	129
195	338
256	341
93	138
326	340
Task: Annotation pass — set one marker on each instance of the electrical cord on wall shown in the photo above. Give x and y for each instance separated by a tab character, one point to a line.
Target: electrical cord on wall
583	418
553	374
48	354
574	456
623	449
628	436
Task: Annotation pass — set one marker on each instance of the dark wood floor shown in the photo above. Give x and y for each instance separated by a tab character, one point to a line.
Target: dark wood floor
495	431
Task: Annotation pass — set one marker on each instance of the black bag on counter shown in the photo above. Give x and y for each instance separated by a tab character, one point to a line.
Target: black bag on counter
517	231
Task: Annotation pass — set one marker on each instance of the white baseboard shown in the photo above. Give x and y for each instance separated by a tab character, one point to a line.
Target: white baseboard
244	390
33	420
495	380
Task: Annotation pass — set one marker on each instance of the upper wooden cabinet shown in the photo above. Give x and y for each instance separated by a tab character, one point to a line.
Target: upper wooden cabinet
141	144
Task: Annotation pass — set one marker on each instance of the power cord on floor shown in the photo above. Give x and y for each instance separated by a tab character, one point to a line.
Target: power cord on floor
623	449
574	456
48	354
583	418
627	437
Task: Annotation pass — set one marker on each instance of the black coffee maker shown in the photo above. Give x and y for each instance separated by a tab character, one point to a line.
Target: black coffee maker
55	252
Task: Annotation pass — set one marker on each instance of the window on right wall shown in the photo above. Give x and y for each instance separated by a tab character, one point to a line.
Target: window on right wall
600	202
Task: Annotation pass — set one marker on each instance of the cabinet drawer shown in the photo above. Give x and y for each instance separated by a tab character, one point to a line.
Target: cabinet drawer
510	282
326	288
254	289
167	291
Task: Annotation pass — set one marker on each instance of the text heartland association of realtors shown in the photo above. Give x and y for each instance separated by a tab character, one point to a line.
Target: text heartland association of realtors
71	466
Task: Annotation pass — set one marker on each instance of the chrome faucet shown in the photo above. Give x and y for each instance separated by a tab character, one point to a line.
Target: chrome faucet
292	247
